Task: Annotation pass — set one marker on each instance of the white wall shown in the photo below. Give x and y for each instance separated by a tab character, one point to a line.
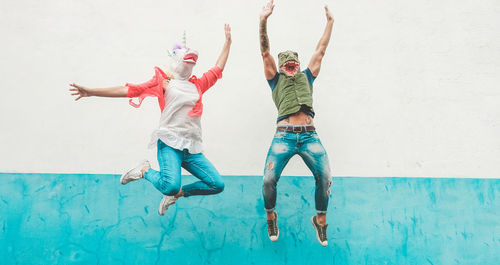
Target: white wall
407	88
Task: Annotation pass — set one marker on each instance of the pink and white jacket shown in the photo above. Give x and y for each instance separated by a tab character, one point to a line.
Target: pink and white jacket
154	88
181	105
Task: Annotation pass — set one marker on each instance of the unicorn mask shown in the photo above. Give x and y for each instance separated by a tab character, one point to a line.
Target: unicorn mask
183	59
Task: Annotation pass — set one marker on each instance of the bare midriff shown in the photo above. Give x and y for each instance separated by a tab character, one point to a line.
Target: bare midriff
298	118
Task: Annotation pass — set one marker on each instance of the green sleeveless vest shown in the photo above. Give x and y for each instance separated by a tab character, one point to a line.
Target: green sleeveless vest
291	92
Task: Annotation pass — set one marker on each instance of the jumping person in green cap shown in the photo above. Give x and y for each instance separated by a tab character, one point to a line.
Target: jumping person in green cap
295	133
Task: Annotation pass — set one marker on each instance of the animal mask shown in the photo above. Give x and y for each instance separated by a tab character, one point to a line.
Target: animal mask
183	59
288	62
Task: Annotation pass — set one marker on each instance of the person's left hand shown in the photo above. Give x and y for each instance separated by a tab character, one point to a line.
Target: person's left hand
329	16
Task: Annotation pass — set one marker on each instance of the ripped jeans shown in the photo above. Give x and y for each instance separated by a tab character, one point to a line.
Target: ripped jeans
168	179
309	147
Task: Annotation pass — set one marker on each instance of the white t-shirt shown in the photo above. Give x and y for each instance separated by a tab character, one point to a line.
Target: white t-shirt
177	129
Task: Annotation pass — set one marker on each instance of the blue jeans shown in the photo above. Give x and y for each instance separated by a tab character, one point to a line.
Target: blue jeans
168	179
309	147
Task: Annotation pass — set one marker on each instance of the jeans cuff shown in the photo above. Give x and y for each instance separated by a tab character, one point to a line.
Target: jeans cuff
321	212
270	210
185	193
146	173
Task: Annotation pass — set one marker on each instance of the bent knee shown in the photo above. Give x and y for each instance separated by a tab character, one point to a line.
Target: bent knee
219	186
171	190
269	181
324	178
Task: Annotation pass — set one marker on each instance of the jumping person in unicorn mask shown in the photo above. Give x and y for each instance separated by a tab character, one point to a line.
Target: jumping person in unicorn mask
178	138
295	133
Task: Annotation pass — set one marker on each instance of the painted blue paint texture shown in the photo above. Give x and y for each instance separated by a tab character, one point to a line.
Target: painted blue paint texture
92	219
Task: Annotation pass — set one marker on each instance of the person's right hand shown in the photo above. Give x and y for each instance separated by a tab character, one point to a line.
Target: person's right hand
267	10
79	91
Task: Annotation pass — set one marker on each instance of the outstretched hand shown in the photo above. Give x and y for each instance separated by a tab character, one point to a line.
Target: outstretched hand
221	61
329	16
227	31
79	91
267	10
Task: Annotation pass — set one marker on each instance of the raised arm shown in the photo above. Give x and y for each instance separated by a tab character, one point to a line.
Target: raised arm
269	63
221	61
114	92
315	63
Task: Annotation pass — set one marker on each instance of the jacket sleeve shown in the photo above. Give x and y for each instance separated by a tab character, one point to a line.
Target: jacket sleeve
209	78
151	88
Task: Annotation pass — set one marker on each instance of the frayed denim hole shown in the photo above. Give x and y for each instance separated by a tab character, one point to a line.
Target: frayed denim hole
279	148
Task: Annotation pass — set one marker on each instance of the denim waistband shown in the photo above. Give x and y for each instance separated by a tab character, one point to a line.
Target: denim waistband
292	125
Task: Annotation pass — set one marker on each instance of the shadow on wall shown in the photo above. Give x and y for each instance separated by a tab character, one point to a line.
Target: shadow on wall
92	219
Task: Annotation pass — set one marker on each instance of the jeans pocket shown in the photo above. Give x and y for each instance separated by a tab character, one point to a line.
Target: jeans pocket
312	135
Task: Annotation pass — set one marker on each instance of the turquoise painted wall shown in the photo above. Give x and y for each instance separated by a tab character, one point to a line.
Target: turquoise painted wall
92	219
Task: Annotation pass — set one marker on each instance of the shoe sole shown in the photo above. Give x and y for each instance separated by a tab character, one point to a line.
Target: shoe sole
317	235
159	208
122	179
126	174
277	236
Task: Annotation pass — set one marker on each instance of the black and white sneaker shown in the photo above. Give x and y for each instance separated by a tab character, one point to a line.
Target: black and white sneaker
320	232
272	228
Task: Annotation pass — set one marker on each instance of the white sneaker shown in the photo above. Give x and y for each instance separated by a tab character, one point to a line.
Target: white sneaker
134	173
165	203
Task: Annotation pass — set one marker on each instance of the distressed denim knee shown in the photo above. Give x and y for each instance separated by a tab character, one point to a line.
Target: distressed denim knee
269	183
323	179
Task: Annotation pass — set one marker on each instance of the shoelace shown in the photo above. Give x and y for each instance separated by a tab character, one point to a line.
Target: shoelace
272	228
322	232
